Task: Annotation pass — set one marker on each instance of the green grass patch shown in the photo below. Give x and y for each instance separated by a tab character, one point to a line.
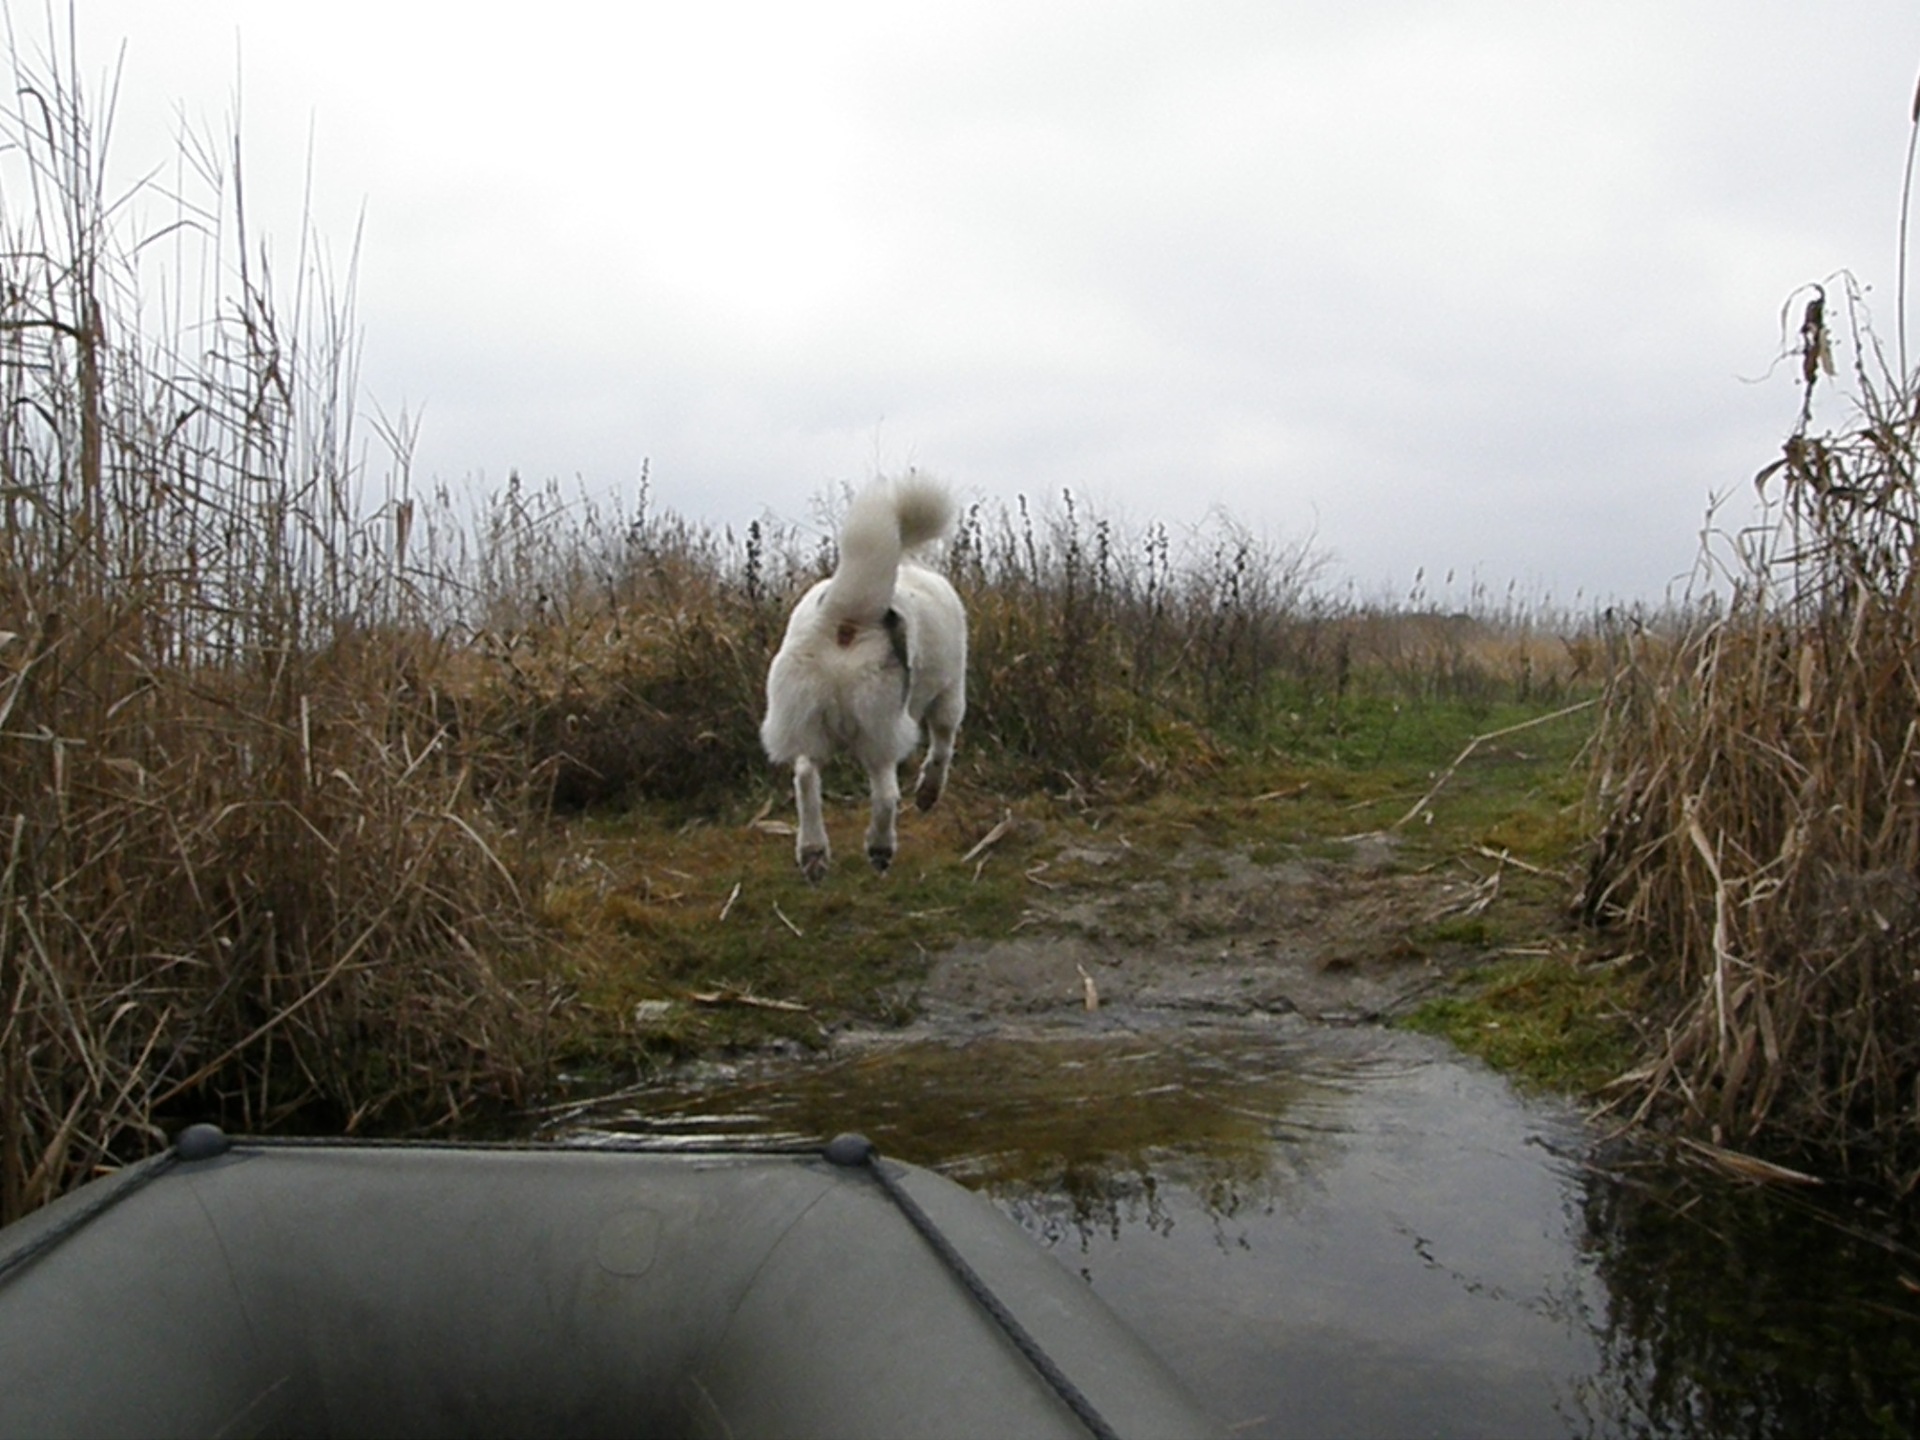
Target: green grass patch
706	937
1475	932
1551	1021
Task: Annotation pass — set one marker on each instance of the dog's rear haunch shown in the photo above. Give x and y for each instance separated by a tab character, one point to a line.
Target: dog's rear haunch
870	655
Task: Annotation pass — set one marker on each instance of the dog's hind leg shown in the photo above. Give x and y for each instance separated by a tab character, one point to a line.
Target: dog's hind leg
942	726
882	839
933	770
810	845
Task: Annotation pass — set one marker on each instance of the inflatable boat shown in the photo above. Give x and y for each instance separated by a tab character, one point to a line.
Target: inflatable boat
244	1287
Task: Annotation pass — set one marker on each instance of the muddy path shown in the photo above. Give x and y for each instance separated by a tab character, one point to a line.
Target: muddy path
1213	936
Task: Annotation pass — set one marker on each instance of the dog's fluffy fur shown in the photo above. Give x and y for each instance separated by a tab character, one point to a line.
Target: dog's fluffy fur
870	655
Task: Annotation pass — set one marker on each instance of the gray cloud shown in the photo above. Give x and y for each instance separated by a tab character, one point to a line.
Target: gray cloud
1461	286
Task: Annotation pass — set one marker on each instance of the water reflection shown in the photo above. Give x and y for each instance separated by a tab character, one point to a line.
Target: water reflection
1042	1116
1734	1310
1355	1232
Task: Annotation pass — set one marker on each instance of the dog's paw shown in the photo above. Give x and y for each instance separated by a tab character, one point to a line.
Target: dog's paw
813	864
879	859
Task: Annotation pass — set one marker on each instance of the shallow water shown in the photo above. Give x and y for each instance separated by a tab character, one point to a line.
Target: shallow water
1359	1232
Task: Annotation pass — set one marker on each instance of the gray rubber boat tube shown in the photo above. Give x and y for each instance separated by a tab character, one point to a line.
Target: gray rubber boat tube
447	1291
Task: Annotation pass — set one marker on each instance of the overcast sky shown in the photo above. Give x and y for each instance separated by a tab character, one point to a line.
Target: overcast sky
1480	286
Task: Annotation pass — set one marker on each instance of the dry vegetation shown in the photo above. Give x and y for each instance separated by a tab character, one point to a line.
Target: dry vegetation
1758	781
625	654
241	866
281	744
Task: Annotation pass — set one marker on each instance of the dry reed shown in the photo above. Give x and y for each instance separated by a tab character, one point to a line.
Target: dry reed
1758	790
242	872
625	654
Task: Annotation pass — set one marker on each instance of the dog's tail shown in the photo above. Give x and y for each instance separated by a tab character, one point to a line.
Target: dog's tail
885	521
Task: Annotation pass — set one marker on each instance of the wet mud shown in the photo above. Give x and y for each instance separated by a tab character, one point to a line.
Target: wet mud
1214	936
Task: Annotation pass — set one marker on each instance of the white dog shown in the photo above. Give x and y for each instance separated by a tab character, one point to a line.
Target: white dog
869	655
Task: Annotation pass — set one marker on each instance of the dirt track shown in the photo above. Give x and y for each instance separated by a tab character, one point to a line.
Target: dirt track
1215	934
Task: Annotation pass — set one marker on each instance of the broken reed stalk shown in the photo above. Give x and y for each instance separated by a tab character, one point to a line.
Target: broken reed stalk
1757	787
245	875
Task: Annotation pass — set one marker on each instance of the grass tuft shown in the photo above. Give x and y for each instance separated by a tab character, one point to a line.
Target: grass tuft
1555	1022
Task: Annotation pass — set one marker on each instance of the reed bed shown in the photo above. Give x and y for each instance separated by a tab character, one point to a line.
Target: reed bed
1757	794
243	872
620	656
1103	656
625	652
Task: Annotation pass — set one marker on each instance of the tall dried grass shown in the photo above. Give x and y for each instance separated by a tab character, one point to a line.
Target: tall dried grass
622	656
242	873
627	653
1099	654
1758	797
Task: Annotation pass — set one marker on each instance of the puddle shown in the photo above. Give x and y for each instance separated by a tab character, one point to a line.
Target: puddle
1357	1232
